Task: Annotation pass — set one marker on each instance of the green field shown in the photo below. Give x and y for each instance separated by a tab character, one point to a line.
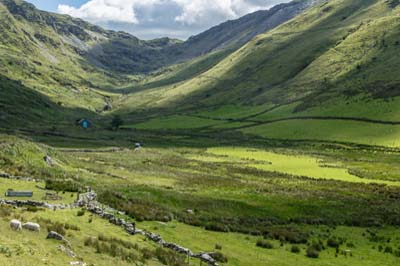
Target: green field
333	131
239	195
241	249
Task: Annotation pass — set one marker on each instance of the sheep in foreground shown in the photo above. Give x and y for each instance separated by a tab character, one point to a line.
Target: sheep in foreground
16	225
31	226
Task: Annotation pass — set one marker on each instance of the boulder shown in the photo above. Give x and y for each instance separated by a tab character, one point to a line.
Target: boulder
55	235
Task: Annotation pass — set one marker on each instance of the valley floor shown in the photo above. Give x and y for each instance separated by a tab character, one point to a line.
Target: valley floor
329	197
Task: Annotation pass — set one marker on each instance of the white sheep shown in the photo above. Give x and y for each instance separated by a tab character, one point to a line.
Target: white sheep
16	225
31	226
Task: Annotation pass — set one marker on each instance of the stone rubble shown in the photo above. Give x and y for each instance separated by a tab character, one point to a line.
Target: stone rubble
33	203
67	251
88	201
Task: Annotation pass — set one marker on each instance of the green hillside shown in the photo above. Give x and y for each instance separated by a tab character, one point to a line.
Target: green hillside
83	68
336	62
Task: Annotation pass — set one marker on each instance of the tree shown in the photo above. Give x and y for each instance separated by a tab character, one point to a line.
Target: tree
116	122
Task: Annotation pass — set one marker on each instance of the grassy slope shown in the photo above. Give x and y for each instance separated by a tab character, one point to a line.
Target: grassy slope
241	249
45	62
337	60
29	248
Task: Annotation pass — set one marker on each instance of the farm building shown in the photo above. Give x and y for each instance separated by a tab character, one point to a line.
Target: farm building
12	193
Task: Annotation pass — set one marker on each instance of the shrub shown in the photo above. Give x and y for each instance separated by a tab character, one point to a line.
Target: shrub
217	227
291	235
312	253
317	245
5	211
71	227
333	243
102	237
81	213
6	251
264	244
116	122
63	185
89	241
218	256
169	257
388	249
147	254
57	227
33	209
295	249
218	246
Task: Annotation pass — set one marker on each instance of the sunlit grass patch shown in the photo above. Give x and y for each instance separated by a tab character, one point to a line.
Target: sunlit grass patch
295	164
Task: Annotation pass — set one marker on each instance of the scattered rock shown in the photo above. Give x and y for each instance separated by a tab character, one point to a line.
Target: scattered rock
77	263
107	107
67	251
48	160
206	257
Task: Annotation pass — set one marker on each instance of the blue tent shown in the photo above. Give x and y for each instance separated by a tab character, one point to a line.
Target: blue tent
85	123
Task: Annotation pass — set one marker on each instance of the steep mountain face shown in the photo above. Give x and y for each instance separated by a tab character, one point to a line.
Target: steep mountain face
110	50
123	53
240	31
137	56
